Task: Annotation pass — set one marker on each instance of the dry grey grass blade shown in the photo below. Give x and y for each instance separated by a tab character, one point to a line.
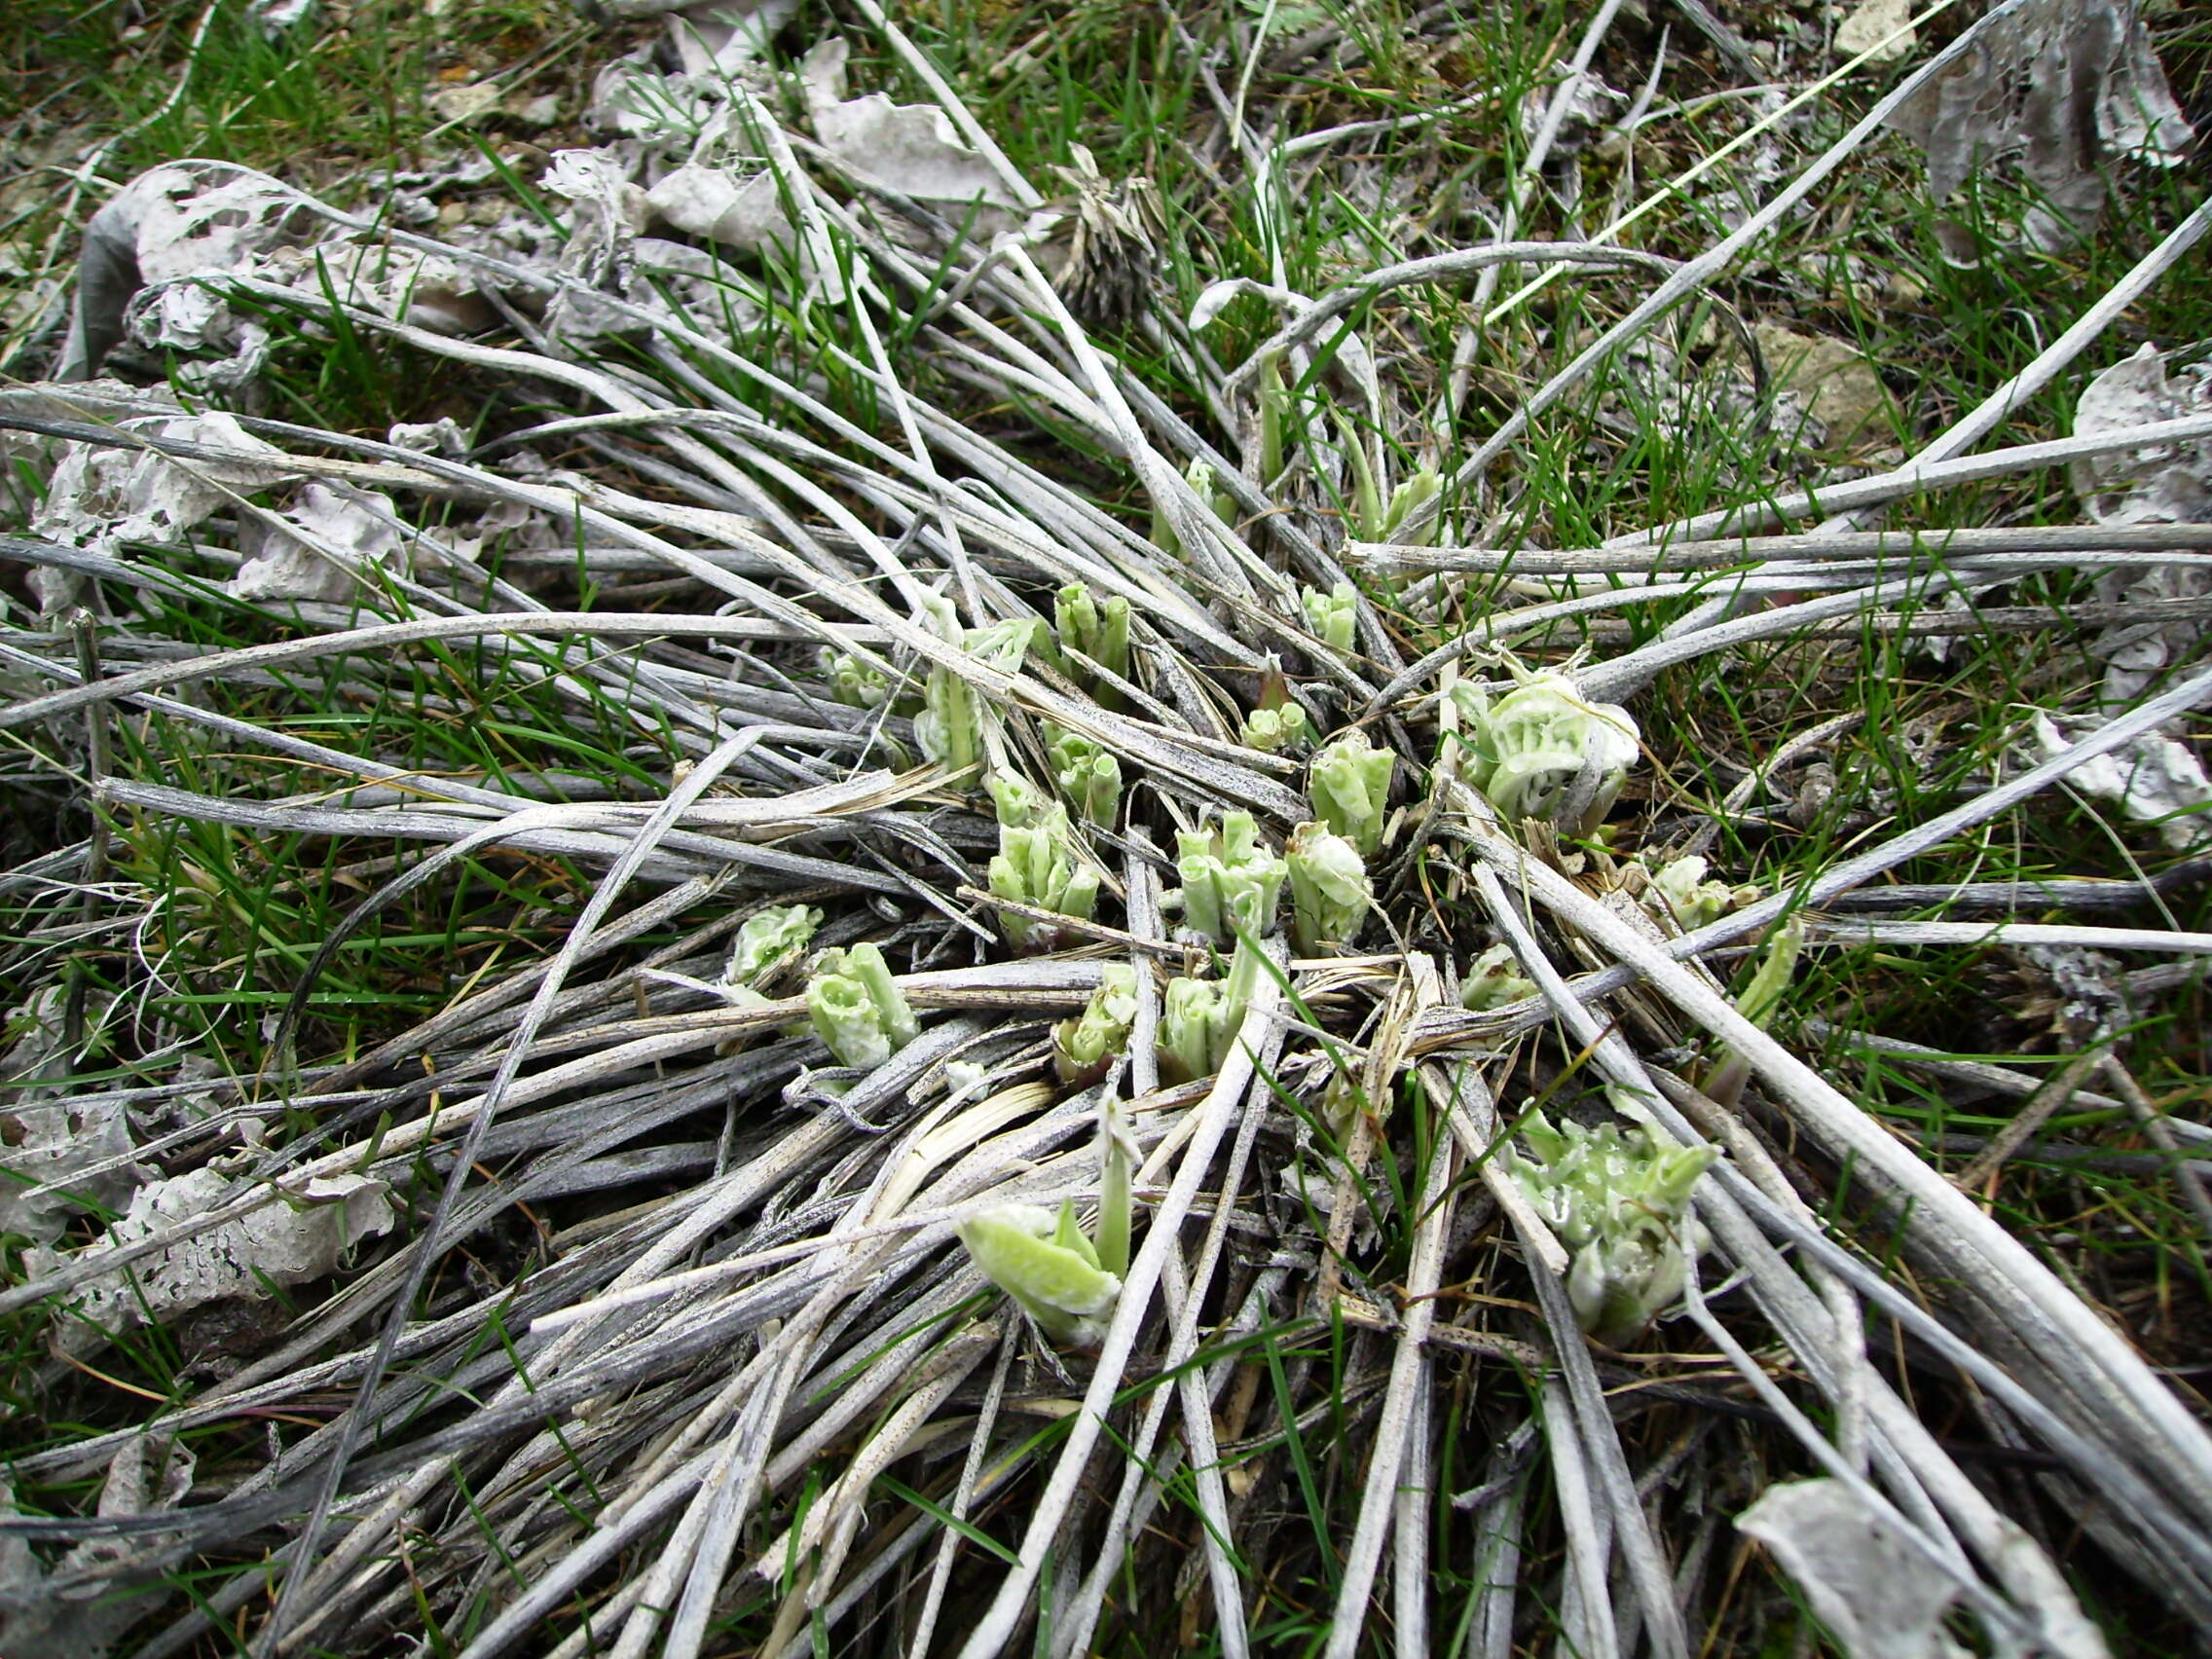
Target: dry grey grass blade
700	1388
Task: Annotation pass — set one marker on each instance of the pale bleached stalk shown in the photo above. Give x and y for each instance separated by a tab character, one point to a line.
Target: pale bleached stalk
964	1493
602	900
1256	1040
1875	930
1589	1610
2183	543
1412	1536
1379	1495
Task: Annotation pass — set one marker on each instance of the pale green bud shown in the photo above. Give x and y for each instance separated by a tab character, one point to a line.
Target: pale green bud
1199	475
950	726
1231	883
1089	777
1200	1018
1278	731
1541	751
1330	893
854	683
768	940
1350	787
1018	802
1771	983
1678	892
1047	1266
1272	394
1494	979
1620	1202
857	1008
1083	1048
1038	863
1342	1102
1100	631
1414	493
1332	616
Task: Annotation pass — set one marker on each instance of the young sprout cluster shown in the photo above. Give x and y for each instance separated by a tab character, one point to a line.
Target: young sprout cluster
1067	1282
1330	893
1332	616
1085	1047
1678	892
1200	1018
1231	882
1381	521
951	724
1411	495
1200	477
1350	787
1038	864
1494	979
1542	752
768	940
1099	631
1277	730
1619	1200
857	1008
1089	777
1342	1101
1047	1265
853	683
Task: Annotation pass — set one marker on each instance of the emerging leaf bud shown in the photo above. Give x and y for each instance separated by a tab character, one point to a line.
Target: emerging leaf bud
1350	787
1330	893
1048	1266
857	1008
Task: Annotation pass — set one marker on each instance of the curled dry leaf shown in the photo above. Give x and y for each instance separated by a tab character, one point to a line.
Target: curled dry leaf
743	211
101	496
2168	484
1880	1597
298	1238
723	37
170	223
2065	88
2155	778
333	518
81	1606
53	1151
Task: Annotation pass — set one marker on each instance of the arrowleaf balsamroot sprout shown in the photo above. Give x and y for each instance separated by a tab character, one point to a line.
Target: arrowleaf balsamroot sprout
1231	882
857	1008
1199	1017
1099	630
1084	1046
1679	892
1333	615
1494	979
1619	1199
1541	751
853	683
1047	1265
1038	863
1330	893
1350	787
951	724
1278	731
1089	777
768	940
